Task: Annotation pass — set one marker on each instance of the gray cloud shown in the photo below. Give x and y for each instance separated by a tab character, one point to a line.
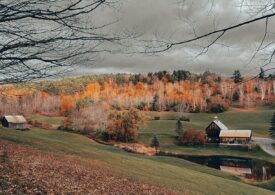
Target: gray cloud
173	21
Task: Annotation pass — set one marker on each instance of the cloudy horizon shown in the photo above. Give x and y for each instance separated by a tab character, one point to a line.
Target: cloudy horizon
175	21
168	19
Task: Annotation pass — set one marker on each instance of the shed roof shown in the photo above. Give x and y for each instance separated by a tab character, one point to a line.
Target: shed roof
236	133
15	118
220	124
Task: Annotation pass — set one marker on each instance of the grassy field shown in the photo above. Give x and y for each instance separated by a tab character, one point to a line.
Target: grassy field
167	172
55	121
258	120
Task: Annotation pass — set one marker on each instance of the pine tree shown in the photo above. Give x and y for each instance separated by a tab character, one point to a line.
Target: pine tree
155	103
272	128
262	74
155	142
179	128
237	77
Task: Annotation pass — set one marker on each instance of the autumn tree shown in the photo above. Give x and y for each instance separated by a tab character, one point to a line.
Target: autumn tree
179	128
155	142
87	120
124	125
82	103
272	128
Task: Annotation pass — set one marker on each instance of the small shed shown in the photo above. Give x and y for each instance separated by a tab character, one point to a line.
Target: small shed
14	122
235	136
213	130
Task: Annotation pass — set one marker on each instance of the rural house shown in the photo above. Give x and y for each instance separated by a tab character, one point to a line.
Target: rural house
14	122
217	132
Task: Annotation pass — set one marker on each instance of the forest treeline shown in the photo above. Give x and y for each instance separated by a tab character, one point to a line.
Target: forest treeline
179	91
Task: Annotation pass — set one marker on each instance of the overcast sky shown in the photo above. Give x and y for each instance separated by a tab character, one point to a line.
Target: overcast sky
176	20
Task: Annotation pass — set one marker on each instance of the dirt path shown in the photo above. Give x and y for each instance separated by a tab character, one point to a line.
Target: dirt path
265	144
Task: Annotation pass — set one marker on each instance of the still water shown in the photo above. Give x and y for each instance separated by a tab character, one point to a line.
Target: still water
246	168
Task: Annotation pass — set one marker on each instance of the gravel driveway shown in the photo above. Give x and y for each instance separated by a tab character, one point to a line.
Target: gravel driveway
265	144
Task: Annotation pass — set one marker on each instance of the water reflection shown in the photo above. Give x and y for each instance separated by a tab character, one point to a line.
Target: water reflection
247	168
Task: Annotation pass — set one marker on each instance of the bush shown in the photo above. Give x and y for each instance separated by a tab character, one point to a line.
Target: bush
217	105
157	118
104	136
192	137
141	106
217	108
155	142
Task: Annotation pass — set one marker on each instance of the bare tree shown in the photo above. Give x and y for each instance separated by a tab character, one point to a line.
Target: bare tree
40	39
251	12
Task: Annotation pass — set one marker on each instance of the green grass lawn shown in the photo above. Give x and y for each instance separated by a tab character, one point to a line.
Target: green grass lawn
55	121
258	120
171	173
168	172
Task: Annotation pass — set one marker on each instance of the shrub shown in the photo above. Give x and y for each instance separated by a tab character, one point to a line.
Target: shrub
157	118
217	108
104	136
141	106
192	137
155	142
217	104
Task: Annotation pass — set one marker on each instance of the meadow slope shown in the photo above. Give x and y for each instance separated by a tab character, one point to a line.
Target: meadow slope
172	174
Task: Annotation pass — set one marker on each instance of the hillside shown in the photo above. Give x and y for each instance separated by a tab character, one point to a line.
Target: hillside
28	171
175	175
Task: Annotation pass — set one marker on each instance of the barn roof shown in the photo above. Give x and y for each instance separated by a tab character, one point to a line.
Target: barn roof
236	133
15	118
220	124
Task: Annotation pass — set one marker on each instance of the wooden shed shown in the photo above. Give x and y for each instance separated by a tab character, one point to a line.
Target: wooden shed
235	136
14	122
213	130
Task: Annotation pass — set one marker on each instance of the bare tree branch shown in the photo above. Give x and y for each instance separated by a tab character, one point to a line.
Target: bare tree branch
41	39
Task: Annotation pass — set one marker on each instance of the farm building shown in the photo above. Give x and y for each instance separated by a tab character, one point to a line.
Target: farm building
213	130
235	136
14	122
217	132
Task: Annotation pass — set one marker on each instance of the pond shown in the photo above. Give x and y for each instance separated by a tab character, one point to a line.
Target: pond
253	170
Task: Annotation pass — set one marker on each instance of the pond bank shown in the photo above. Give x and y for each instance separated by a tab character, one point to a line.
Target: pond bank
249	169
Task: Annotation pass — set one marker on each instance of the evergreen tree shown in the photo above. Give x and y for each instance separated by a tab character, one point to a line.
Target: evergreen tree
237	76
155	142
179	128
272	128
262	74
155	104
